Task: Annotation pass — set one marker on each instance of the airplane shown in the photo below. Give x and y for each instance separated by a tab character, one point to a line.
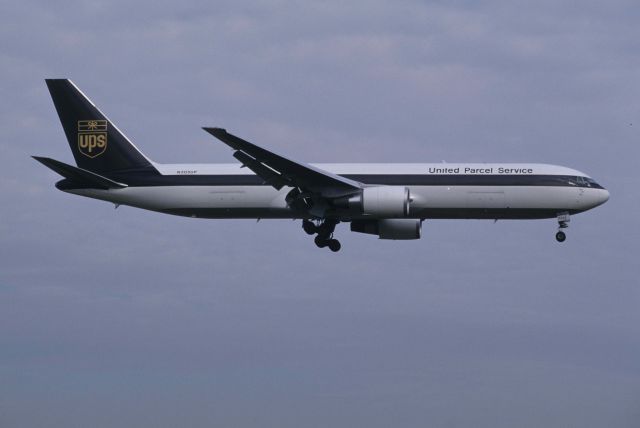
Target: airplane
387	200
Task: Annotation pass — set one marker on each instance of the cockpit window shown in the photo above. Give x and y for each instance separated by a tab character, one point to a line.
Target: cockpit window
592	183
586	182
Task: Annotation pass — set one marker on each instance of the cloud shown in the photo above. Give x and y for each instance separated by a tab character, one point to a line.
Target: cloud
151	320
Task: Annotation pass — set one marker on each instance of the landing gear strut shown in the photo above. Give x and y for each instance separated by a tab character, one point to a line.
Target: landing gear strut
324	232
563	223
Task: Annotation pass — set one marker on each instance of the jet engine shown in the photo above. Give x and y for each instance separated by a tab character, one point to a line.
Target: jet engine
393	228
379	201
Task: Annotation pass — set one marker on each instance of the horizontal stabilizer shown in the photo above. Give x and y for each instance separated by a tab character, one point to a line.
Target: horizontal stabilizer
79	175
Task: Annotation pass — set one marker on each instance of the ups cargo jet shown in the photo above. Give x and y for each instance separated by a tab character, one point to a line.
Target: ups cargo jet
387	200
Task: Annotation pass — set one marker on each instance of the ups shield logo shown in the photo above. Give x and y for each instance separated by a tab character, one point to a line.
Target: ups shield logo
92	137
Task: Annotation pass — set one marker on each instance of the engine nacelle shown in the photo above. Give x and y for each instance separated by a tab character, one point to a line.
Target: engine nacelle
380	201
392	228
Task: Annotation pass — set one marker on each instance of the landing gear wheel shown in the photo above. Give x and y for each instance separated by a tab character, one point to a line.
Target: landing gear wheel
309	227
334	245
324	229
320	241
561	236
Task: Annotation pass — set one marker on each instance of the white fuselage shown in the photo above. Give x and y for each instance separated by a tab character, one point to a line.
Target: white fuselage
437	190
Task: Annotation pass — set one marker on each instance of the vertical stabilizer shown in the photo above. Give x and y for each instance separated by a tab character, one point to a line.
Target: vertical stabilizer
97	144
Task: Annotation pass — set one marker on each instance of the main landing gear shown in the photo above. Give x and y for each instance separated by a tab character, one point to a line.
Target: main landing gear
563	223
325	233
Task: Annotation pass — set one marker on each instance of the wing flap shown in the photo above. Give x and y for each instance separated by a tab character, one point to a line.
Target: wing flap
267	174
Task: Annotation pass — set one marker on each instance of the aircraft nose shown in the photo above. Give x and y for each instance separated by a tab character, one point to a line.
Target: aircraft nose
598	197
591	198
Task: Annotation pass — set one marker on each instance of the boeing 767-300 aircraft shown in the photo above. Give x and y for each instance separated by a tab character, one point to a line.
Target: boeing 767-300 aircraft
387	200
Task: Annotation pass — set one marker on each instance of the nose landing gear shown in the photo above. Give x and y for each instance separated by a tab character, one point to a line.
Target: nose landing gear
324	232
563	222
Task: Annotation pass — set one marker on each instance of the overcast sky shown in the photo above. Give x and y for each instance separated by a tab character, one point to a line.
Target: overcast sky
113	318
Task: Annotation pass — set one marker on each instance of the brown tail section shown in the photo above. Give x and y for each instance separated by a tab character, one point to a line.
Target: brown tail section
97	144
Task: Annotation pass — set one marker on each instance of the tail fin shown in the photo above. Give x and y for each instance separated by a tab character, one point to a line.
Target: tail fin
97	144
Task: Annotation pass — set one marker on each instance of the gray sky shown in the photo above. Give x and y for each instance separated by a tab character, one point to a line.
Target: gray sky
112	318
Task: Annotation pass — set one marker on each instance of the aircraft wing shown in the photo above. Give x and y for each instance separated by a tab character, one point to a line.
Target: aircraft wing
279	171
